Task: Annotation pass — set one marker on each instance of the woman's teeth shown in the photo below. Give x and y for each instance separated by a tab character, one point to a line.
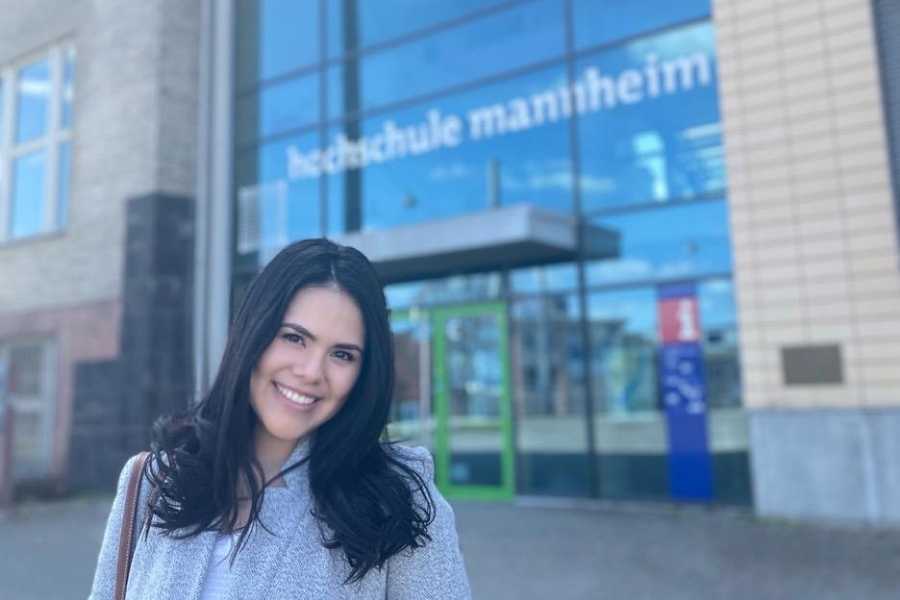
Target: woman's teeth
294	396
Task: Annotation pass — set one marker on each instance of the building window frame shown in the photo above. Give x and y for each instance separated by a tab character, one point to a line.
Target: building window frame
42	404
56	134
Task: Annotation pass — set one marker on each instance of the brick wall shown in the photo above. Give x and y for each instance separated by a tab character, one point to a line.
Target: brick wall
812	213
112	289
134	133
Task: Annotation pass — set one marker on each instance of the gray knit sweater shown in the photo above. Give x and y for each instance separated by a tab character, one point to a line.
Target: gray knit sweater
290	562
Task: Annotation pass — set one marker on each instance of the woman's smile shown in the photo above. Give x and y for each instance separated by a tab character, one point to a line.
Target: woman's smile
296	399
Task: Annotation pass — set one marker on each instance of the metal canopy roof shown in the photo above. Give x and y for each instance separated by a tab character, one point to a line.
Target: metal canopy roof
503	237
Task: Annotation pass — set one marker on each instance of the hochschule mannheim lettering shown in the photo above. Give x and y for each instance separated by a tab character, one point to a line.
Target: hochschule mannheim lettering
591	92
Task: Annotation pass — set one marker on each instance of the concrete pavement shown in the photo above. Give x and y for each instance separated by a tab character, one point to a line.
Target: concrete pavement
48	550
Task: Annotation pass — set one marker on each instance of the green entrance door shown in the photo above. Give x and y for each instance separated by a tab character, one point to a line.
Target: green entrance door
473	433
452	396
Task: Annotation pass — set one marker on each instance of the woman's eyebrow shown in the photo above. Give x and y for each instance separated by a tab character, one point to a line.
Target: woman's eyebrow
306	332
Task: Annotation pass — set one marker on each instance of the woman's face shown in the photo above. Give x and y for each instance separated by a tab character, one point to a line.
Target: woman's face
306	373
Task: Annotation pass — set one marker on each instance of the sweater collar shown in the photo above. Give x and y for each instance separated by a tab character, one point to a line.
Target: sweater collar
296	479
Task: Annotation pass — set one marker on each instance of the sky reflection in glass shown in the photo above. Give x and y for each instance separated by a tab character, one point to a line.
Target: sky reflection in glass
275	36
272	210
29	173
718	319
531	166
513	38
386	19
623	336
64	178
666	243
548	278
33	102
278	108
660	138
604	21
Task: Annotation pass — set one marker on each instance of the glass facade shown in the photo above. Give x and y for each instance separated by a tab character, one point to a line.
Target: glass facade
543	379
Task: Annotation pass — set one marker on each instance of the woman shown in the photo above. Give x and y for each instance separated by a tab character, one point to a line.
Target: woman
278	484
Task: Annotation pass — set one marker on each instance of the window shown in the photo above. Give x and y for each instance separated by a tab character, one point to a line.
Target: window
652	132
275	37
36	97
678	241
604	22
488	154
548	387
272	209
386	20
493	44
27	373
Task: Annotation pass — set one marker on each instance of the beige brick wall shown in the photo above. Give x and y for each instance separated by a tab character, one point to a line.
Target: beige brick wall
812	215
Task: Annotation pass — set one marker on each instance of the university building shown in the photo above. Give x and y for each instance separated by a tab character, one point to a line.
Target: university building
640	251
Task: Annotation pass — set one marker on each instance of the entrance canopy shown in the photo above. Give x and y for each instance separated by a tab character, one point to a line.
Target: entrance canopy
504	237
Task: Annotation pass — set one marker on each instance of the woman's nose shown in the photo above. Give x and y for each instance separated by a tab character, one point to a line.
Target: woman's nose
309	367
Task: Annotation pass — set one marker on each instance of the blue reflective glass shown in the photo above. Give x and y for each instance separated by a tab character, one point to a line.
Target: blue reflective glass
602	21
33	102
29	173
446	290
629	427
377	22
64	178
623	330
68	84
651	130
386	19
549	278
458	155
272	209
499	42
275	36
342	192
334	23
276	108
718	311
718	320
548	387
665	243
337	104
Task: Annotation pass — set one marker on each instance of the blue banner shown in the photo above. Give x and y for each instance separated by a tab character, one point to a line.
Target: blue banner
683	392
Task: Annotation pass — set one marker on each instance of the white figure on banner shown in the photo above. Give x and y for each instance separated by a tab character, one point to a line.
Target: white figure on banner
682	388
687	325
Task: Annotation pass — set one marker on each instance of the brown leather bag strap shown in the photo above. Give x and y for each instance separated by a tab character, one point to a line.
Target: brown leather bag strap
129	518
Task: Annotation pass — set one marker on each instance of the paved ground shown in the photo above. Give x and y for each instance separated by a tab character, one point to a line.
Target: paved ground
47	552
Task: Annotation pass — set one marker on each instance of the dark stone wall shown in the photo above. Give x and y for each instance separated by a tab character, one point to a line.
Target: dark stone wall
116	401
886	16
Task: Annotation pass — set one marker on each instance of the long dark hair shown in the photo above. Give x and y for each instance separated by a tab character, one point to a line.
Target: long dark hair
373	503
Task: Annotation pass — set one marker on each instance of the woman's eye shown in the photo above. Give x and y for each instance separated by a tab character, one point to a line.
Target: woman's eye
344	355
294	338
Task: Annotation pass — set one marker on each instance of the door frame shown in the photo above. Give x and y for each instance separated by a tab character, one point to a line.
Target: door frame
43	404
438	318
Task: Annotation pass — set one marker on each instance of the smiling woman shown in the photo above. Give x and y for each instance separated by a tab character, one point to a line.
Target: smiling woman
279	483
302	379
